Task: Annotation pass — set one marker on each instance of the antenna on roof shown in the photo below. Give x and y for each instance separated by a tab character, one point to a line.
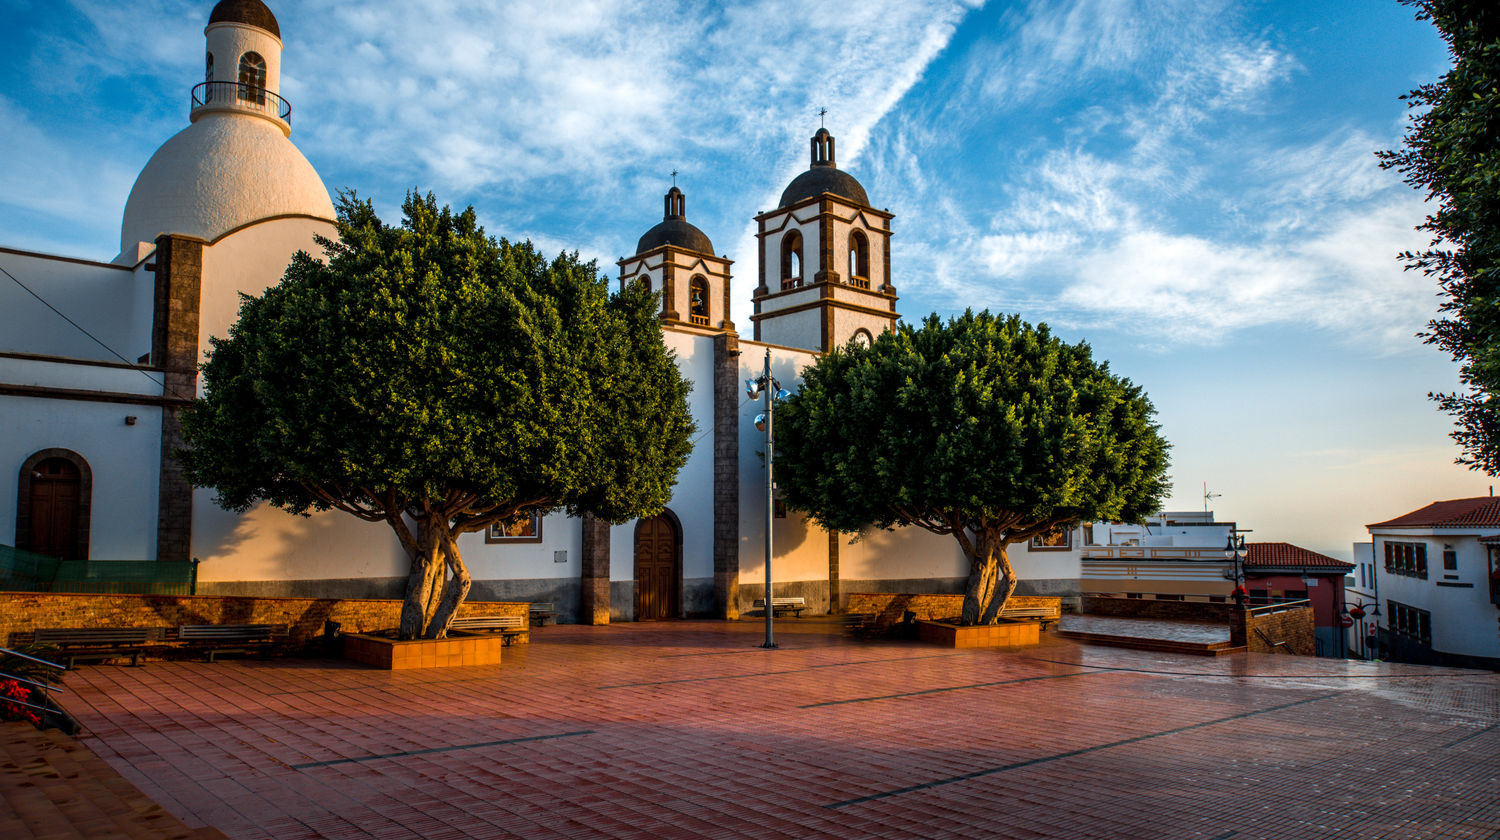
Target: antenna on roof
1207	496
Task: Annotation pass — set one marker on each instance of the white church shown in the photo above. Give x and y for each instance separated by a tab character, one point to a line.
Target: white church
98	359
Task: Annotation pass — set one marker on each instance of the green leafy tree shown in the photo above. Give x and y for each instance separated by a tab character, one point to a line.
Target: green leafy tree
440	381
984	428
1452	151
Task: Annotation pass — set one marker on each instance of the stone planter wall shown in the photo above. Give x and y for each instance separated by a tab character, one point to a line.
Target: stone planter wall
452	652
1004	634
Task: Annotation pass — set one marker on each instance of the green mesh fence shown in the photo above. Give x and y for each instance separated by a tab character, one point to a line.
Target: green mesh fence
27	571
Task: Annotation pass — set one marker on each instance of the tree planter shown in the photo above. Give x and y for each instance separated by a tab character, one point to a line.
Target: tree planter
452	652
1015	633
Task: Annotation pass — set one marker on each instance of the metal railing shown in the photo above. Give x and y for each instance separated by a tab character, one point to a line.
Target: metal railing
47	689
241	97
1280	606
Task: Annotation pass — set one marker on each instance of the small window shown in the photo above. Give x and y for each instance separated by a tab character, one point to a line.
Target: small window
525	527
791	260
698	301
1450	560
859	260
1132	595
253	78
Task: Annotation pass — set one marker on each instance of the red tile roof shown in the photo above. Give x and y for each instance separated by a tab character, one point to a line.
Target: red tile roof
1478	512
1286	554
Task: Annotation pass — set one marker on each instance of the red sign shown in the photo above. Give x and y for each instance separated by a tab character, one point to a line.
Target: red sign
1346	621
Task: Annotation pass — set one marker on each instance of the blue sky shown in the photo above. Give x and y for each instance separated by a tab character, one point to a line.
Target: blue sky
1188	186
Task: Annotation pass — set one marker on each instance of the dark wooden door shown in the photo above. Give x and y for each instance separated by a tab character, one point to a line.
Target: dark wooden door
656	569
54	509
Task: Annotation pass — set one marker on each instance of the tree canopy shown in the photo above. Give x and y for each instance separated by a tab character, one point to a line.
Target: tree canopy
438	380
1452	150
984	427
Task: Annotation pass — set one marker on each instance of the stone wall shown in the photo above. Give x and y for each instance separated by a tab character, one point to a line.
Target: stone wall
1164	610
890	609
21	613
1294	627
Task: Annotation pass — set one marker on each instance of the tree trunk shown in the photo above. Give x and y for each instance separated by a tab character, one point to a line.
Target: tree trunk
426	572
1006	585
455	590
982	579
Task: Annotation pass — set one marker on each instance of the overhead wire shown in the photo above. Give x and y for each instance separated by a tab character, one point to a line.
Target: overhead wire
159	383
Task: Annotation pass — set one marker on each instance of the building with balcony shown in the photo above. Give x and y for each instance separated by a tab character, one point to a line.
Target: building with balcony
1174	556
1437	573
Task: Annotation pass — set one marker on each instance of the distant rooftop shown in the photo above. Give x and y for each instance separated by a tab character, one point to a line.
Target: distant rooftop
1288	555
1476	512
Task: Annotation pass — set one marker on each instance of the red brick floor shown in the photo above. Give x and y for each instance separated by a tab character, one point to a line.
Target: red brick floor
688	730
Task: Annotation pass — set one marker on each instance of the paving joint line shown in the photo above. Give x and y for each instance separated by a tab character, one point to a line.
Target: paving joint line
1475	733
1261	676
774	673
948	688
990	771
431	750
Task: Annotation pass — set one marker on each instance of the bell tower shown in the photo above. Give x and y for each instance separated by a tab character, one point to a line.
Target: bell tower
824	260
677	259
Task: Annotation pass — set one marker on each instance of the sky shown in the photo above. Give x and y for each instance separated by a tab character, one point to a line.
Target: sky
1189	186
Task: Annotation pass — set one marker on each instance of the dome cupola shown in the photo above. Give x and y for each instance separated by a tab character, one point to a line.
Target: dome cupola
823	176
674	229
234	165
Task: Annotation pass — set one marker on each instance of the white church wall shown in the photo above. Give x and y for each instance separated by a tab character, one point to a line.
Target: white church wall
118	378
250	260
799	565
111	302
123	460
795	329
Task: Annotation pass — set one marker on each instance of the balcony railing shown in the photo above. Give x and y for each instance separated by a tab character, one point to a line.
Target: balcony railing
698	320
241	97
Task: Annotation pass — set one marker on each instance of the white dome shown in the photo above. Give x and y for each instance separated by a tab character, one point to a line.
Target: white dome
224	171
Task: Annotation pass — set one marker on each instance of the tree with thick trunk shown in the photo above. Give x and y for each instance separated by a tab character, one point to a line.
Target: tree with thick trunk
440	381
983	428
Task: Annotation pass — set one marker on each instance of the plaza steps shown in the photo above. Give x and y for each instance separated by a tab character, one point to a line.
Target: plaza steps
1157	645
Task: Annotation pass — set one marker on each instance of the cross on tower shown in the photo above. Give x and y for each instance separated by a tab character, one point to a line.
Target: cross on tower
674	177
822	112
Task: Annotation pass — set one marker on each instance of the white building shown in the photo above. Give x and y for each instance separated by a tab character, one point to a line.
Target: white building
1174	556
92	381
1438	583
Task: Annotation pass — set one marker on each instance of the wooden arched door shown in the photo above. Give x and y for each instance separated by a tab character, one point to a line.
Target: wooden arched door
55	496
658	568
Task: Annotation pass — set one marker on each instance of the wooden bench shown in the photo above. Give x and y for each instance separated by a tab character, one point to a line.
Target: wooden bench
76	643
510	627
542	612
859	622
214	639
1048	615
782	605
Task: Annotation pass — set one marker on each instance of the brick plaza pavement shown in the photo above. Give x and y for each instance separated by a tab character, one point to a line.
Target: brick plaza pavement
686	729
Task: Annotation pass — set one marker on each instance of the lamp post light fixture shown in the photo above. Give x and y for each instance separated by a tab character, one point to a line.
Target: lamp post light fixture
766	386
1232	550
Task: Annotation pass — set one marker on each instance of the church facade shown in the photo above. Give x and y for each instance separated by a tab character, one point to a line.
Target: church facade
98	359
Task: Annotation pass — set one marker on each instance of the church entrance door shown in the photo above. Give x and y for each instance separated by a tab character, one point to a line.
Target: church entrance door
54	509
658	568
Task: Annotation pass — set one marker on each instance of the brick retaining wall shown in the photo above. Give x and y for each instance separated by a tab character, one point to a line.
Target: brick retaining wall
889	608
1168	610
1293	626
21	613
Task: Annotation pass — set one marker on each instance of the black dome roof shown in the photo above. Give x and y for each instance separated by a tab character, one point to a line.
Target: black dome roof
675	229
823	177
252	12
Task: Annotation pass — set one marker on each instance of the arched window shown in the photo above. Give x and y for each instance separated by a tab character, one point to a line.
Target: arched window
253	78
52	508
698	301
859	260
791	260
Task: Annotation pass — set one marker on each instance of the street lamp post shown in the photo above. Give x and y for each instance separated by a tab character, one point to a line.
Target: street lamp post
1232	550
765	422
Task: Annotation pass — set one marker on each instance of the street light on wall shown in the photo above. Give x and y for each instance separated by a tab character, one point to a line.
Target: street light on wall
766	386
